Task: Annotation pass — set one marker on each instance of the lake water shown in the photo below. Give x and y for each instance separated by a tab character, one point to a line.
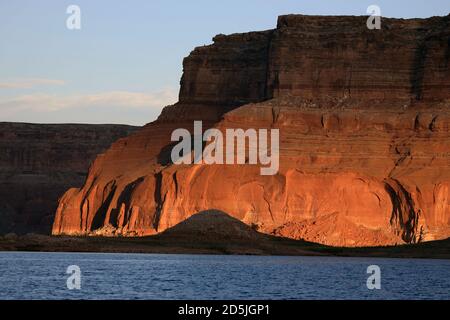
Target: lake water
158	276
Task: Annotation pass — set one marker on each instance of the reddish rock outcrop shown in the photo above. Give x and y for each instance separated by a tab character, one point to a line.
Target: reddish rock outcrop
39	162
364	120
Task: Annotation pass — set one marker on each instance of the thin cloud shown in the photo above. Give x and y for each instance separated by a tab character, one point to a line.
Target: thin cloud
83	102
29	83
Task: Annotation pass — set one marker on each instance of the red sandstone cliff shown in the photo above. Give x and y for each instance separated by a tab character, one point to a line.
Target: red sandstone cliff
364	120
39	162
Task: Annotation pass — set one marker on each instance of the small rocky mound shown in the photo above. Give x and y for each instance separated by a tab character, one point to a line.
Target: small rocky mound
212	225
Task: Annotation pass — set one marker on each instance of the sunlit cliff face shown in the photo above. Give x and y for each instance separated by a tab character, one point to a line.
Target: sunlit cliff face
363	118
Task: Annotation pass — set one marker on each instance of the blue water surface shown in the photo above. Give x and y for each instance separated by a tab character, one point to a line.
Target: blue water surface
27	275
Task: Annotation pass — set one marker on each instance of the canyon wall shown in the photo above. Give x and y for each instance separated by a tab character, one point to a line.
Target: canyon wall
39	162
364	122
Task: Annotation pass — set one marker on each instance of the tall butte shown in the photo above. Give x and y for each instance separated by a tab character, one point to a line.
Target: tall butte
364	122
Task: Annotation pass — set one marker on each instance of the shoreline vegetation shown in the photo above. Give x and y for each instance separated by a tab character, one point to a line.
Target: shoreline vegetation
215	233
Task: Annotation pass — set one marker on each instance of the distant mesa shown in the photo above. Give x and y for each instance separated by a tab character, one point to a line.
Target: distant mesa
39	162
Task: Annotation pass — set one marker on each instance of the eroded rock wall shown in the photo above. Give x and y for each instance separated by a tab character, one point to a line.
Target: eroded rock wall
364	138
39	162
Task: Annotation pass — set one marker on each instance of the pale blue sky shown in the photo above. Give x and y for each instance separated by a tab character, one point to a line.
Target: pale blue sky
125	63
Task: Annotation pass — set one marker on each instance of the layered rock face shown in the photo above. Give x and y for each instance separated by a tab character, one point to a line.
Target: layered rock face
364	123
39	162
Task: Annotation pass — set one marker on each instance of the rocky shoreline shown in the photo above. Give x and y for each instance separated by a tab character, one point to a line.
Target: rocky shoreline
40	243
215	233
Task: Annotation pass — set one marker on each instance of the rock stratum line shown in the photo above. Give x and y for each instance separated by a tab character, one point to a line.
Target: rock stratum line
364	120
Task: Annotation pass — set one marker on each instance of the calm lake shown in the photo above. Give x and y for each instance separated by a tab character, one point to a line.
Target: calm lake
26	275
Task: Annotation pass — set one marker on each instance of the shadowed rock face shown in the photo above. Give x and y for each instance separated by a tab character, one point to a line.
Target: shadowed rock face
364	120
38	162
